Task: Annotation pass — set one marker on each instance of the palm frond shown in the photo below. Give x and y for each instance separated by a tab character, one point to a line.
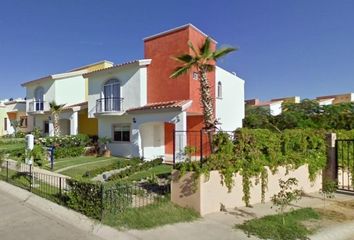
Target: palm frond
222	52
209	67
180	71
190	44
55	107
205	48
184	58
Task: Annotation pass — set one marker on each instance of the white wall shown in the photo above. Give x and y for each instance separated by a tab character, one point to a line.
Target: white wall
105	129
48	87
275	108
152	140
230	109
70	90
133	86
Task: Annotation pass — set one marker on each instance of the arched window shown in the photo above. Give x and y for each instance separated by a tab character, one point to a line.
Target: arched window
111	95
219	90
39	99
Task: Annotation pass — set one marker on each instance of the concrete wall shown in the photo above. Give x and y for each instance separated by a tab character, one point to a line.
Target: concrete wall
70	90
133	82
210	194
105	129
2	120
230	108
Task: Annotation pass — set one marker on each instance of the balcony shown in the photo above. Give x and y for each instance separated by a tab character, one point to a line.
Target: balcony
38	107
110	106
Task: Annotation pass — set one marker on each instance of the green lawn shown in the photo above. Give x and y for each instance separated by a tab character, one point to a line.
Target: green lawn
67	162
150	216
79	171
272	227
158	170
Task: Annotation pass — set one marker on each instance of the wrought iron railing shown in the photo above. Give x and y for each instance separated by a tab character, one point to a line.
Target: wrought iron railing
110	104
38	106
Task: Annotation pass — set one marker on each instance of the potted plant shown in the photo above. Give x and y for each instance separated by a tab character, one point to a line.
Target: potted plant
104	143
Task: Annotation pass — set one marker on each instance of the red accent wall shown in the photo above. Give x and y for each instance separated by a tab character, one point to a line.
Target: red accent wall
160	86
169	129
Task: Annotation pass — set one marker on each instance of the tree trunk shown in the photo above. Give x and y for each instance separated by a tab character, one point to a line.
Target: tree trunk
206	101
207	106
56	124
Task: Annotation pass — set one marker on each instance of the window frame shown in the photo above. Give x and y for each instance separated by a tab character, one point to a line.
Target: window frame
121	125
25	121
5	124
219	90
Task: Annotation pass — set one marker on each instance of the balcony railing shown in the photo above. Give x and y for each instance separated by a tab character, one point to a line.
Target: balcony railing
38	106
111	104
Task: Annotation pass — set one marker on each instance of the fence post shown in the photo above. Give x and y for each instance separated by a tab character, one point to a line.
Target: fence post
60	186
331	170
7	171
30	175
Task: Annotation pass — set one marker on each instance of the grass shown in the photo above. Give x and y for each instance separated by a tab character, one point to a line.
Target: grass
150	216
272	227
67	162
157	170
78	172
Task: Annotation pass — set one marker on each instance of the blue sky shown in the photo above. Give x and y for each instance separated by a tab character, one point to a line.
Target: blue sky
287	47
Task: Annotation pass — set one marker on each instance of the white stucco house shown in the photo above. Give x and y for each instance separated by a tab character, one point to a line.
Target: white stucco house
68	89
118	99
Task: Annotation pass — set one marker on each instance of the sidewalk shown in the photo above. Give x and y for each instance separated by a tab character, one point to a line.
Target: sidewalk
213	226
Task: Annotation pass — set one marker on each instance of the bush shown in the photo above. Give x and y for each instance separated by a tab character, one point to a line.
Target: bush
79	140
8	141
85	198
64	152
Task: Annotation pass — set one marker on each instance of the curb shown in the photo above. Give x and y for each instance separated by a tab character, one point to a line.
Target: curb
66	215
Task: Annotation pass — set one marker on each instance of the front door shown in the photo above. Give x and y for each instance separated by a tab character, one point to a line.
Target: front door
112	96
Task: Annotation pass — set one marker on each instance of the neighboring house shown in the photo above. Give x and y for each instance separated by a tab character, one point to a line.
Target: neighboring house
274	105
139	106
10	111
69	88
336	99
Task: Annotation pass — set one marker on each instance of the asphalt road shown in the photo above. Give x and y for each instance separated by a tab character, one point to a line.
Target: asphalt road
19	221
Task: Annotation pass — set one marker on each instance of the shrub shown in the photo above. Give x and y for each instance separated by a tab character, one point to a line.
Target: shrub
79	140
85	197
8	141
64	152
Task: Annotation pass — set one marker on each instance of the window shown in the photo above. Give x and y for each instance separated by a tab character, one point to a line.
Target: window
5	124
23	122
219	90
111	95
38	99
195	76
121	133
46	127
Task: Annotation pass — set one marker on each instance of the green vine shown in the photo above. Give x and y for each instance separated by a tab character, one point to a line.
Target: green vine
250	152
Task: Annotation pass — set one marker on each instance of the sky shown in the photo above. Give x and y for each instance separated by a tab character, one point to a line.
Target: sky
286	47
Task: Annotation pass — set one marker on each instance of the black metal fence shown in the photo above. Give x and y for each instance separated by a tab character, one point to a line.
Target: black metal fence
345	164
95	200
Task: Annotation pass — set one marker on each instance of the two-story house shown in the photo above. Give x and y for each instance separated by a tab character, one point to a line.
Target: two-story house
69	89
11	111
140	107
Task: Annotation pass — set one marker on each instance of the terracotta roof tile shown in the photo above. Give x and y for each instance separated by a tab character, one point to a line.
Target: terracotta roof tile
161	105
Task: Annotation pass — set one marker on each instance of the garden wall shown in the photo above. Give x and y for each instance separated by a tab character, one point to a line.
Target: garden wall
206	195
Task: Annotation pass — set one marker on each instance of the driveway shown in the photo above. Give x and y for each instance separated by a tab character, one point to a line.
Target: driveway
20	221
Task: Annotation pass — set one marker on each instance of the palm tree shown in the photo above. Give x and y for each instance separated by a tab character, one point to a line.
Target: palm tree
55	110
202	60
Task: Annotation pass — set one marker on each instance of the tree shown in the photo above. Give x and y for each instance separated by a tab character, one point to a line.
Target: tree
202	60
55	110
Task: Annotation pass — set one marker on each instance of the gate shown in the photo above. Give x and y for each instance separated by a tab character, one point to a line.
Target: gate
345	164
